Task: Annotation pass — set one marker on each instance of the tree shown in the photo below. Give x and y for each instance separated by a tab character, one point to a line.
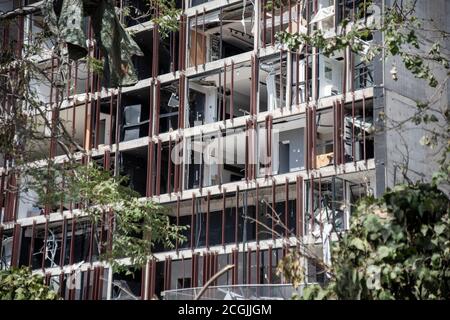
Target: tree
21	284
31	130
398	247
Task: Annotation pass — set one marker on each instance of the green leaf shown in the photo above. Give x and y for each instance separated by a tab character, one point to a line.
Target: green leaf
383	252
439	229
358	244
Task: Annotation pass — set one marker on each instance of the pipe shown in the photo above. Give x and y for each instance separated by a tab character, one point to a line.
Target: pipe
193	213
33	236
44	253
223	215
208	204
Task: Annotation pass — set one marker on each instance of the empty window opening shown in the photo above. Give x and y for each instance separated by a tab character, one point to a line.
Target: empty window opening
327	207
281	148
133	164
330	74
169	104
215	159
126	286
278	16
324	138
220	95
168	49
135	115
272	82
359	131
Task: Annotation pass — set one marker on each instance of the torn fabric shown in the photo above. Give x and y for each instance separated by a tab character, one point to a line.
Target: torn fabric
65	18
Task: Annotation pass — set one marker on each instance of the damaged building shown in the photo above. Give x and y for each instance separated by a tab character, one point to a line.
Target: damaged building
273	145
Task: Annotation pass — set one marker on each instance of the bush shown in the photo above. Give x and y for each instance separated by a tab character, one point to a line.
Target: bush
398	247
21	284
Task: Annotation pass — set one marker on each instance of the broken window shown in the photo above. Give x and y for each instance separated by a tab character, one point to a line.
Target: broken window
281	146
326	207
315	271
323	15
363	73
133	164
221	33
246	216
272	82
215	159
353	9
330	74
324	138
34	32
185	219
90	284
193	3
84	243
143	64
135	115
127	286
359	131
276	212
47	242
268	266
13	36
79	78
301	78
29	202
168	101
59	244
238	220
219	95
54	283
100	126
165	178
88	124
285	79
167	58
6	245
279	16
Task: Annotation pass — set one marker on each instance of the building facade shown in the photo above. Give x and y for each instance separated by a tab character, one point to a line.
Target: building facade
251	145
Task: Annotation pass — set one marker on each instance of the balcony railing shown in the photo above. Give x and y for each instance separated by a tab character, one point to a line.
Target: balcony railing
236	292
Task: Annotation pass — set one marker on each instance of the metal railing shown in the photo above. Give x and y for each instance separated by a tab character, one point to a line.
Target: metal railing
236	292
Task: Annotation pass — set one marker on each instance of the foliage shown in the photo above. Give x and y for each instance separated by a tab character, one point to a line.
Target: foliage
29	126
138	223
167	19
398	247
275	4
95	65
290	267
21	284
162	13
